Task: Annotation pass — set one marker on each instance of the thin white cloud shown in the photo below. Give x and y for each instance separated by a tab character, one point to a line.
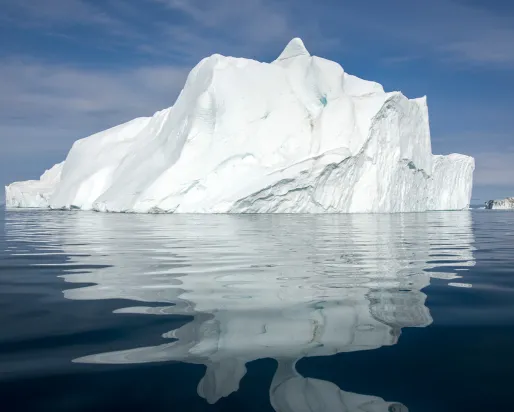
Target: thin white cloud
493	151
256	19
495	168
48	105
447	30
28	13
247	28
177	29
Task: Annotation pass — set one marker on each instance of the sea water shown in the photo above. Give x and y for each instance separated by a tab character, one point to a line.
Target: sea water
287	313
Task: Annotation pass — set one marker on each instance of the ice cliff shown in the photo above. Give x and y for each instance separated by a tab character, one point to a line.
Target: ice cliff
507	203
295	135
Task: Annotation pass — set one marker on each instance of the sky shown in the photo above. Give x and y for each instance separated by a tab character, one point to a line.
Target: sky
70	68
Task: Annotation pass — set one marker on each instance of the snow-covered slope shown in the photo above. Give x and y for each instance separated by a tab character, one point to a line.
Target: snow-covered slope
34	193
507	203
295	135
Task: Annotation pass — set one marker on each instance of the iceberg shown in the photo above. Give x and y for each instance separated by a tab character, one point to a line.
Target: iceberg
297	135
507	204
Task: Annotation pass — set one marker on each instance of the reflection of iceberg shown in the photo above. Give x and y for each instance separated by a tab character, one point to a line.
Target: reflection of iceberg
282	287
291	392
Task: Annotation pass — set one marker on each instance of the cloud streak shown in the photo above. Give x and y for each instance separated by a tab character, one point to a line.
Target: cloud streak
48	105
27	13
451	31
495	168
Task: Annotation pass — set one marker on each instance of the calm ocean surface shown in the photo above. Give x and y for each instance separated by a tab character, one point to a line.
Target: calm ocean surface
286	313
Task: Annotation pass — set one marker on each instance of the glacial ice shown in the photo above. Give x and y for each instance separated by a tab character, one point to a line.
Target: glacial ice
507	204
295	135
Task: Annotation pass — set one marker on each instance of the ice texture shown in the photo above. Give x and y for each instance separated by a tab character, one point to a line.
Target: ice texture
295	135
507	204
34	193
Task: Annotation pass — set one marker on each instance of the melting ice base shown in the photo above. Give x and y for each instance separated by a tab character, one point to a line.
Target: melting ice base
295	135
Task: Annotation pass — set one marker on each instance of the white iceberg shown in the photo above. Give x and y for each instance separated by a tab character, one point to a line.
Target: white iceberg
295	135
505	204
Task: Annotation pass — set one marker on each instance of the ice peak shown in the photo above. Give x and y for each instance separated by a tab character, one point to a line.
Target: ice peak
293	49
298	135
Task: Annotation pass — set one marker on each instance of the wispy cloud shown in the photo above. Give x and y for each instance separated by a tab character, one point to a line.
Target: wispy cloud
392	60
27	13
494	47
45	105
181	30
250	28
495	168
258	20
448	31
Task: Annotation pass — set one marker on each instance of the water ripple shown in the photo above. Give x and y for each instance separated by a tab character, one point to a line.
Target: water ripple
255	286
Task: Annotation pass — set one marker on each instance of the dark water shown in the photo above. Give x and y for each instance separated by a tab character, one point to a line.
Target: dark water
365	313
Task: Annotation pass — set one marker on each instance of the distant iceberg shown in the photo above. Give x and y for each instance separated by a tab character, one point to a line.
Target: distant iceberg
507	203
298	135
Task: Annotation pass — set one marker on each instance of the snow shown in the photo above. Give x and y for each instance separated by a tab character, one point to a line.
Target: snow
295	135
34	193
504	204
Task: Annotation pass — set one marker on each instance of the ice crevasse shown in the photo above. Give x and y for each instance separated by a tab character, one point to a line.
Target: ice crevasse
297	135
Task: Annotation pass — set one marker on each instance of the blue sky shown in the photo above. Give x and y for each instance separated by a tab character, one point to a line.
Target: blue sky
69	68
